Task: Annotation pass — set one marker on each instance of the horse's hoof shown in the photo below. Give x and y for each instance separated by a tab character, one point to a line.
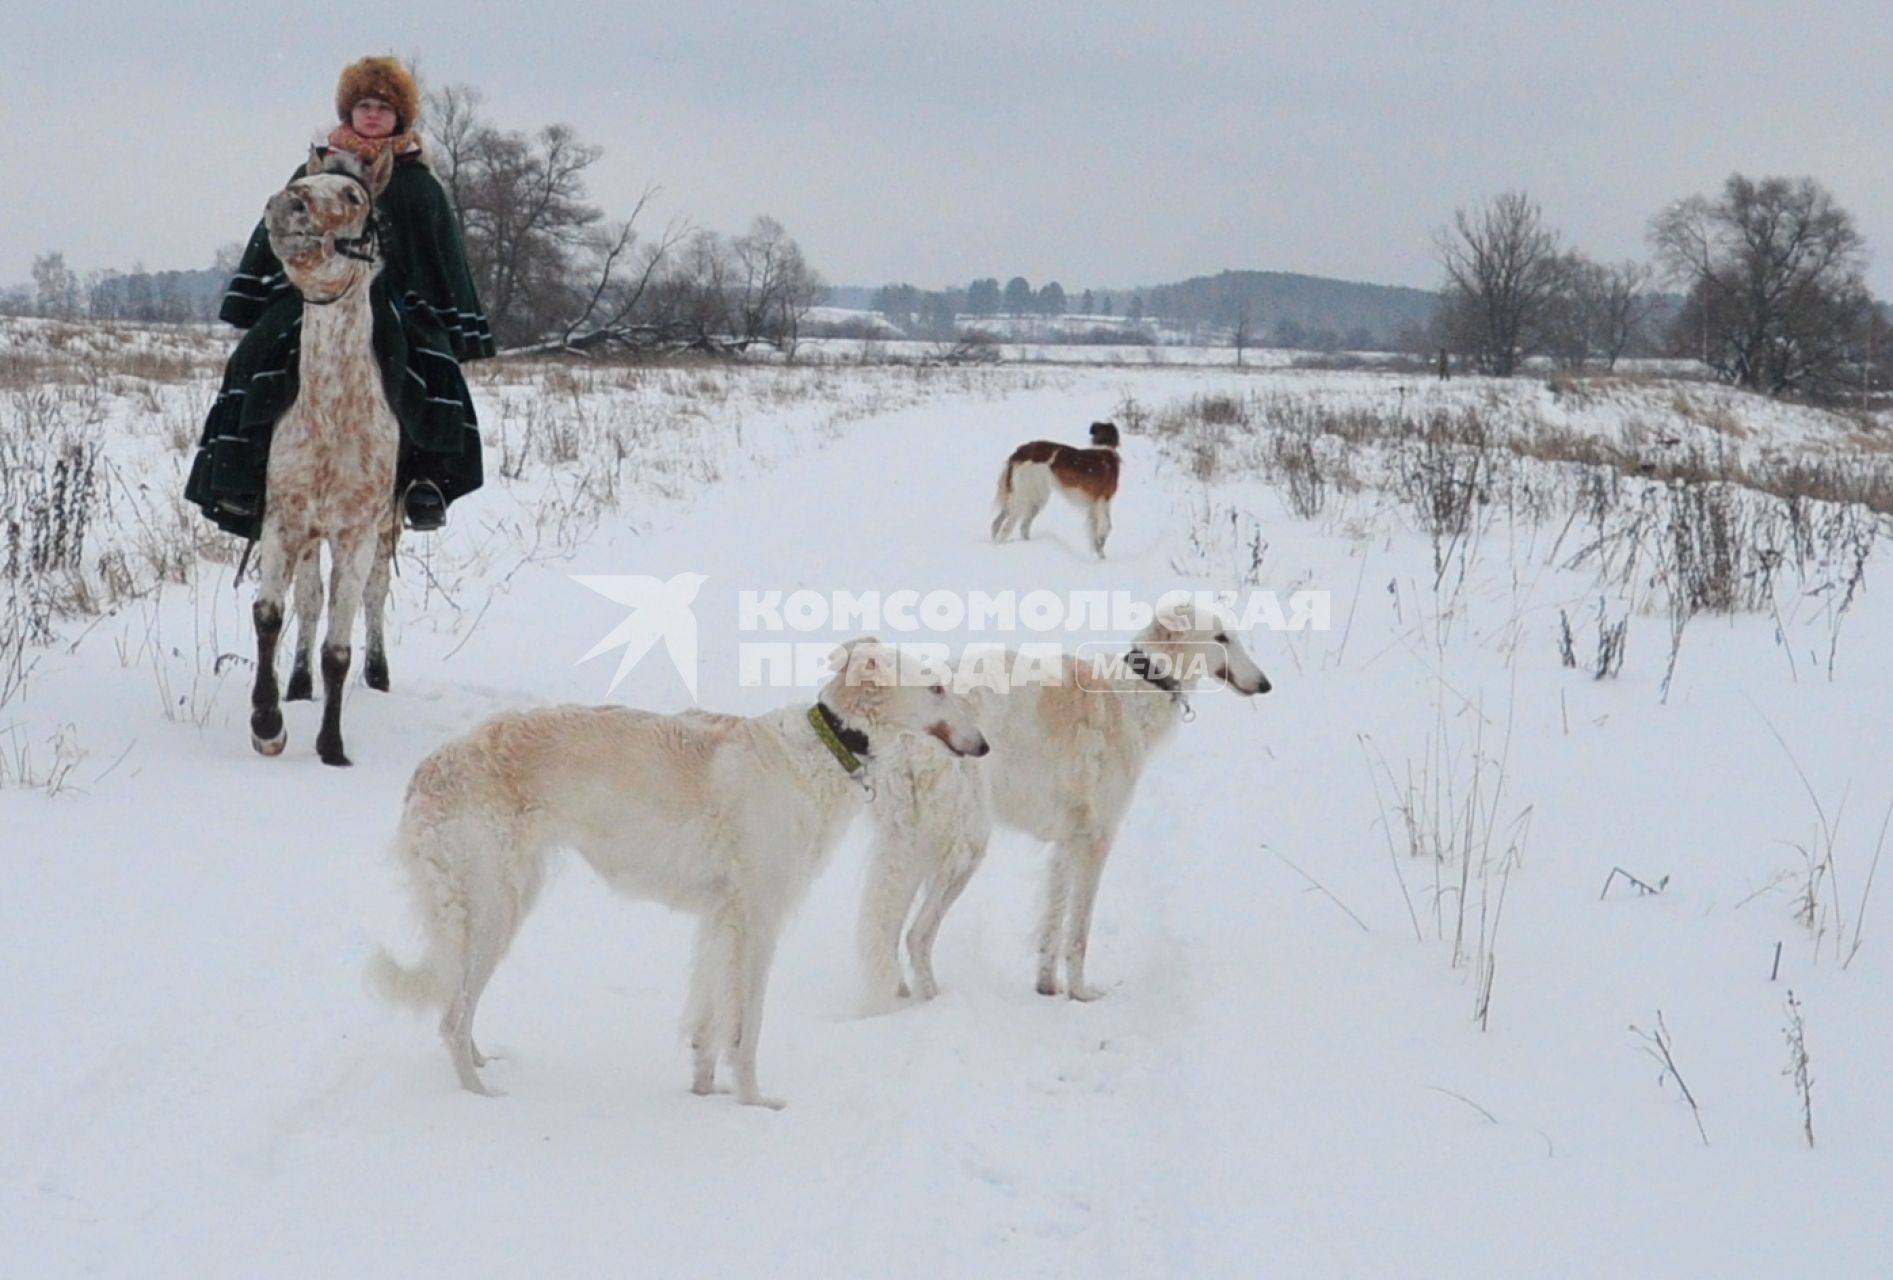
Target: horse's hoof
375	674
267	732
301	686
332	753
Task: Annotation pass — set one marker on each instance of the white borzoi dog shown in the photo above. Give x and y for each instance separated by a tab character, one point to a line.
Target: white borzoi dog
726	817
1041	468
1067	755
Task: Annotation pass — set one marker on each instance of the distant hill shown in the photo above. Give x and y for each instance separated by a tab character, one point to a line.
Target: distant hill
1284	309
852	297
1291	310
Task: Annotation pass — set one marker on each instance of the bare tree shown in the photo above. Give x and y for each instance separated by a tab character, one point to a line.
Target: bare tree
623	275
453	135
102	293
1617	304
522	201
1503	271
1598	311
702	284
56	286
774	286
555	274
1776	300
898	303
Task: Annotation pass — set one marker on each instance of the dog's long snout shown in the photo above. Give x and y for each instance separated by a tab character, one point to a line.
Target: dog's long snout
957	743
1229	678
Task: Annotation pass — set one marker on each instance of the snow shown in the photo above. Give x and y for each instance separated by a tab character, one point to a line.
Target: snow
1280	1079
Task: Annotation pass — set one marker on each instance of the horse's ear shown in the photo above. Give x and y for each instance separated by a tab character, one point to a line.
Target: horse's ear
380	171
315	161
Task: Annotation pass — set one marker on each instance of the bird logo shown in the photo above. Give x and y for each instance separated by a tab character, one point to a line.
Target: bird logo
660	610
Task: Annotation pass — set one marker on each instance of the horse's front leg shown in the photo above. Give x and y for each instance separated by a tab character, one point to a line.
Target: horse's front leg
301	686
267	734
354	556
374	605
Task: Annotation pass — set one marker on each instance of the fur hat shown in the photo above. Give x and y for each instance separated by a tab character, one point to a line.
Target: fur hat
382	78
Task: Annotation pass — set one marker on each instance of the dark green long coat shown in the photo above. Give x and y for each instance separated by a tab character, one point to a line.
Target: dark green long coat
427	320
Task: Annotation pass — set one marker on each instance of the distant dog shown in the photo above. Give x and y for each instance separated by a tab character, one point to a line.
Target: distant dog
1086	476
726	817
1066	758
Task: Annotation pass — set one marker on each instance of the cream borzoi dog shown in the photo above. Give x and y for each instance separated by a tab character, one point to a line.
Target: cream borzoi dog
1066	757
726	817
1035	470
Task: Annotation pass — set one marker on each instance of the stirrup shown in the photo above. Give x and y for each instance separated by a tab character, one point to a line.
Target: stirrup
425	505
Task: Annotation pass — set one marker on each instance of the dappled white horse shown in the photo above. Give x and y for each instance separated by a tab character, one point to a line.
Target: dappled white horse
332	457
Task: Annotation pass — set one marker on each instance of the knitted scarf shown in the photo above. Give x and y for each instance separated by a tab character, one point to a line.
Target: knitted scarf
343	138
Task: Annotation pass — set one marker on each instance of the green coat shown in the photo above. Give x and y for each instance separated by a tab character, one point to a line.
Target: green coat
427	319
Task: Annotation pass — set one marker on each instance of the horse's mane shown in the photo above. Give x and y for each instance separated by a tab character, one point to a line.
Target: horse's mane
347	162
338	160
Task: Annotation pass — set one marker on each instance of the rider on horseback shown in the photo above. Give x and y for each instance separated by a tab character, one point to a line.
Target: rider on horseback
427	320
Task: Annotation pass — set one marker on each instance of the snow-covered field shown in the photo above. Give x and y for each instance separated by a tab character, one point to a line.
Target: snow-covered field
1372	1007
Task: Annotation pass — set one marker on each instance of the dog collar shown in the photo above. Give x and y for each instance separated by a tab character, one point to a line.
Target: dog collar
1138	663
845	744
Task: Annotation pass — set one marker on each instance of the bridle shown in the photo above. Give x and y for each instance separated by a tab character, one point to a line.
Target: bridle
365	247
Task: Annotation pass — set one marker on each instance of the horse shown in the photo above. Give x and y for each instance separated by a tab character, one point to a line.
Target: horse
332	457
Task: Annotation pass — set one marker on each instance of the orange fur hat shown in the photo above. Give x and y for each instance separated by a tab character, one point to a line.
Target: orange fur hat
382	78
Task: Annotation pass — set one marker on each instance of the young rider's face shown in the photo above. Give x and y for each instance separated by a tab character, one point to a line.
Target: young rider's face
372	118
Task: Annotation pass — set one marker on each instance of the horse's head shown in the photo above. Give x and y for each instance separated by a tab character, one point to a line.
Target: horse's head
322	224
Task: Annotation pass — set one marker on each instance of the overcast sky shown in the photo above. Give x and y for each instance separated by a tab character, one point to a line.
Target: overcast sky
1096	144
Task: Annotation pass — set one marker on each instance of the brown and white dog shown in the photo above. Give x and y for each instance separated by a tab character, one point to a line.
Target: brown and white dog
1036	470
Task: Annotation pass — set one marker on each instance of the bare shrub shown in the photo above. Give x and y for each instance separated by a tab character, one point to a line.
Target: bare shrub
1445	476
1799	1068
1609	659
1658	1045
1297	470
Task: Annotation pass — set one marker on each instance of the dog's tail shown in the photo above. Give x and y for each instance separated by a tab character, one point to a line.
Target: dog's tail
445	914
413	988
1004	492
1002	498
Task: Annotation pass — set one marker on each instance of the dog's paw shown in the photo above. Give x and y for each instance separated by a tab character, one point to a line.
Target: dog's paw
763	1100
1047	986
1087	994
